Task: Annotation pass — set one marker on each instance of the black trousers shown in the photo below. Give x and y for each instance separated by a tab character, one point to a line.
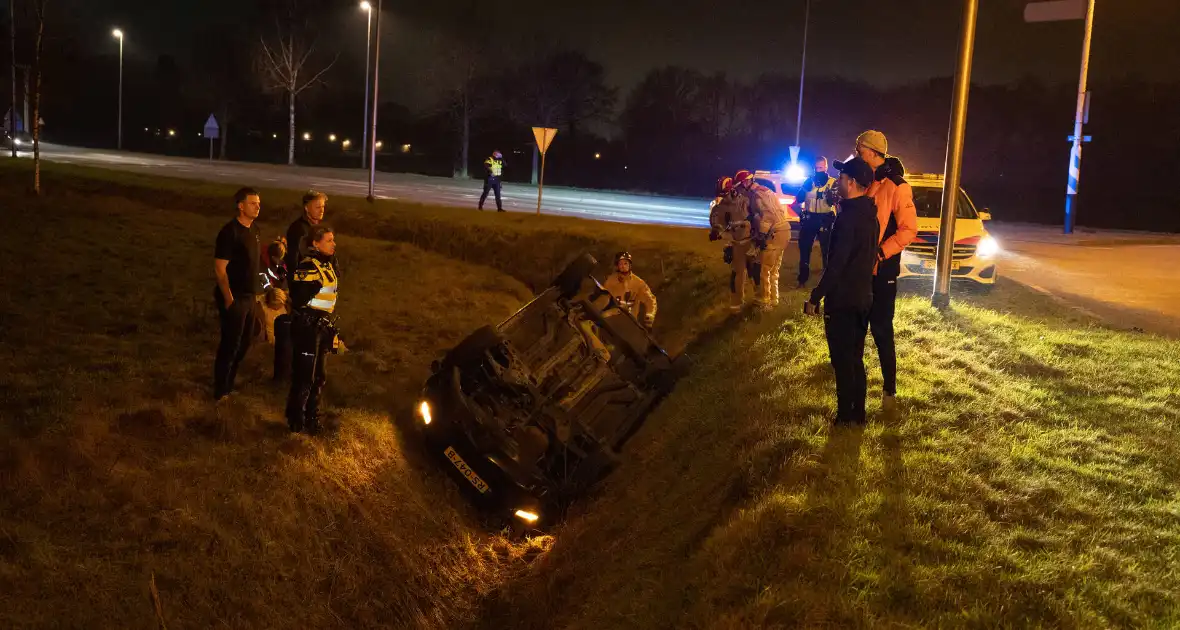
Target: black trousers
881	323
814	227
237	331
490	184
283	348
311	339
846	330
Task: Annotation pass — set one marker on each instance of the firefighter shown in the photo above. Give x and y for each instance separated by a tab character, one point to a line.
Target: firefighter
495	168
817	215
898	220
313	331
729	220
771	234
630	291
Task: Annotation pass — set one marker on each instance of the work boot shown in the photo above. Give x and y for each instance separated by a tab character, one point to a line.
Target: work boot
501	210
295	425
311	426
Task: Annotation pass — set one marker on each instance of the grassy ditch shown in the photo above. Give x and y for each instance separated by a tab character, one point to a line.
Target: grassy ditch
1030	480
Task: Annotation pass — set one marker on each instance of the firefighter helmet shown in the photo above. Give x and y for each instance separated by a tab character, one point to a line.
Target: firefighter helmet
724	185
742	177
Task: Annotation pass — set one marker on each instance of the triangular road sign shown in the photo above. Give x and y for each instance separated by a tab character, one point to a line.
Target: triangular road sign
544	136
212	129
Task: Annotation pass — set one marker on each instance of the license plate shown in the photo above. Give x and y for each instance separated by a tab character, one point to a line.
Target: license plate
479	484
929	265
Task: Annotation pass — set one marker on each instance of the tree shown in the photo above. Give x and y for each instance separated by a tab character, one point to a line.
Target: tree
285	63
217	80
564	89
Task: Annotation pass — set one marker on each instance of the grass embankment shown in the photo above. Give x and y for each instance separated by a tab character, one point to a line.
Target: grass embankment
1030	480
115	465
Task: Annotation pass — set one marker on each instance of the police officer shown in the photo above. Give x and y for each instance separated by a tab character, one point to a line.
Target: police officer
495	168
729	220
313	332
817	214
630	291
771	234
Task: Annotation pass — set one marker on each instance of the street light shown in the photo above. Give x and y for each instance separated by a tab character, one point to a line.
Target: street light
367	8
119	141
306	135
372	121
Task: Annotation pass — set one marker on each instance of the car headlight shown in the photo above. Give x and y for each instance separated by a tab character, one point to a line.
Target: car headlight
424	412
527	516
988	247
16	141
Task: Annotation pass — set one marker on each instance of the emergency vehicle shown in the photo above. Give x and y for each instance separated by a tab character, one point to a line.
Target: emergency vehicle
975	251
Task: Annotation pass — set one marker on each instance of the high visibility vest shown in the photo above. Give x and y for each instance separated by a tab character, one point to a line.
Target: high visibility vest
815	199
325	300
495	167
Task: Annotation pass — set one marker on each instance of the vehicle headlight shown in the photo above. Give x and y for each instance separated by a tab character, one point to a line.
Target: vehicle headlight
16	141
988	247
424	412
527	516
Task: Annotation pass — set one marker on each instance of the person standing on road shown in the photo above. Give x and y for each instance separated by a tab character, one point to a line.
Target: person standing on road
630	291
898	220
846	288
313	332
817	214
729	219
491	182
771	234
236	265
315	206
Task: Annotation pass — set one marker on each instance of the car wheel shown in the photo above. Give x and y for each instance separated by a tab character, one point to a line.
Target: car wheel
569	281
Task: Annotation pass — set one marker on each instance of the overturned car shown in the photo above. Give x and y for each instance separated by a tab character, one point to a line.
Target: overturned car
529	414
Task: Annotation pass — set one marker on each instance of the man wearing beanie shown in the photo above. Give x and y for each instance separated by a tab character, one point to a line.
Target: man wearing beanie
846	288
898	221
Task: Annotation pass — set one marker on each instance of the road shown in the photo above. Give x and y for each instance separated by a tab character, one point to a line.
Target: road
603	206
1129	279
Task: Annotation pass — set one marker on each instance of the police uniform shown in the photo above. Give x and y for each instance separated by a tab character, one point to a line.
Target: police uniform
313	335
816	223
495	168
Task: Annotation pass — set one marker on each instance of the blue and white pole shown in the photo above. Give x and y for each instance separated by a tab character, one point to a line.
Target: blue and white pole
1075	155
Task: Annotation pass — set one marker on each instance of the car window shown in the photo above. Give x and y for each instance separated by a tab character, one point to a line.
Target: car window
928	202
766	182
789	190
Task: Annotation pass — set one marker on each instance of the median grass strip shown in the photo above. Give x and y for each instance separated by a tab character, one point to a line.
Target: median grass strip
1029	480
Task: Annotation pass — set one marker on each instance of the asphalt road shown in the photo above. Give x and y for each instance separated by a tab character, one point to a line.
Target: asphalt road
1129	279
603	206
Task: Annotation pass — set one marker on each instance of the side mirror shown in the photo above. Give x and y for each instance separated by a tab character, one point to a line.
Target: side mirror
985	215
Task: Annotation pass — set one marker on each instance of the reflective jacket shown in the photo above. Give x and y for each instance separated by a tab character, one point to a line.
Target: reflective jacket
633	295
730	216
767	210
314	285
495	167
813	199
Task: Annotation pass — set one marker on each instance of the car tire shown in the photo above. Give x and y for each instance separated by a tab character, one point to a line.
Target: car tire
472	349
569	281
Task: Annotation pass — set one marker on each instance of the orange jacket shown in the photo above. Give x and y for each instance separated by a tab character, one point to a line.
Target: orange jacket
898	201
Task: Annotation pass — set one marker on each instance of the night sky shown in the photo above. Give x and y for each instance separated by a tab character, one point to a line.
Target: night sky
881	41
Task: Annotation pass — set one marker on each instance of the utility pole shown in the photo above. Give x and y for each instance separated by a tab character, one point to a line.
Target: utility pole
368	8
954	157
12	42
1075	155
372	148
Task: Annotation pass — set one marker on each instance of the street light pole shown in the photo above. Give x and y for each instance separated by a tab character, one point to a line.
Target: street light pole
802	71
12	41
372	141
368	8
954	157
1075	155
119	141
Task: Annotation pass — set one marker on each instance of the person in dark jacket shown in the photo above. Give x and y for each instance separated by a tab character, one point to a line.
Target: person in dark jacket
313	331
846	288
314	207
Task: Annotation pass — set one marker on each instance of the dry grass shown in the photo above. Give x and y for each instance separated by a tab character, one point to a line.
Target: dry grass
1030	481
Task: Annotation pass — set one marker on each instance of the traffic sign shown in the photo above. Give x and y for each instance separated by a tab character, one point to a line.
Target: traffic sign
212	129
544	137
1055	11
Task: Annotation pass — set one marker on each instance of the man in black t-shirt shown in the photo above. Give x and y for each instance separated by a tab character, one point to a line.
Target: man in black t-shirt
236	264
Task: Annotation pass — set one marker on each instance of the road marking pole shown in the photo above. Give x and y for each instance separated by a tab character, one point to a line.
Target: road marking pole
1075	154
544	137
